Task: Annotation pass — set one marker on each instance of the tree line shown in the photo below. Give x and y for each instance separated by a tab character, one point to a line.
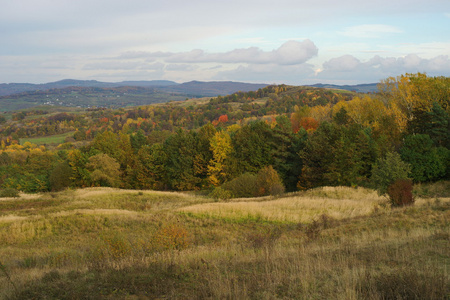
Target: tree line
300	140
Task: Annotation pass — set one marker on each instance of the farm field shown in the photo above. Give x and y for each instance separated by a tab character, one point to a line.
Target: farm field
325	243
47	140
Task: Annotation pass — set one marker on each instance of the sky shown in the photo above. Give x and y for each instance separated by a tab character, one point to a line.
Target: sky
285	41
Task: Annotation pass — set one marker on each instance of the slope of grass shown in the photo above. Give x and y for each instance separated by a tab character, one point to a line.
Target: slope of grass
329	243
47	140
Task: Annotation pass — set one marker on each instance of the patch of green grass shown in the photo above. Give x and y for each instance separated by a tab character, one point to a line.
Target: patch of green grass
47	140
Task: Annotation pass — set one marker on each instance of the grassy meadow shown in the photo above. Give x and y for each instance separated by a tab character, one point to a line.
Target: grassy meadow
47	140
326	243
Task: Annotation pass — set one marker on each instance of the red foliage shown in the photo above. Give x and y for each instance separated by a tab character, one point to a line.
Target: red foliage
223	118
309	123
400	193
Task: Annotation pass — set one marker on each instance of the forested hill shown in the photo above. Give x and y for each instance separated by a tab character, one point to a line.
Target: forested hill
359	88
309	136
89	93
16	88
78	93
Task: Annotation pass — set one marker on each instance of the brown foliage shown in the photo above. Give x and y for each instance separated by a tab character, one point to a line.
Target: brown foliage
400	193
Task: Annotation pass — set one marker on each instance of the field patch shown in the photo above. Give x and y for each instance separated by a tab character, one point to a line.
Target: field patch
337	203
47	140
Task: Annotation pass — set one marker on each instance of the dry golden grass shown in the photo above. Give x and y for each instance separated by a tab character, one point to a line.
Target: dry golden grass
337	203
328	243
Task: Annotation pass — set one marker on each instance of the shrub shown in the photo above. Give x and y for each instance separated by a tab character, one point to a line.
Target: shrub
266	182
400	193
105	170
387	170
117	247
60	176
243	186
220	194
171	237
269	182
9	192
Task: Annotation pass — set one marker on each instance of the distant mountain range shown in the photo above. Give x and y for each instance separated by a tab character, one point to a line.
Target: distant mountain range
192	88
88	93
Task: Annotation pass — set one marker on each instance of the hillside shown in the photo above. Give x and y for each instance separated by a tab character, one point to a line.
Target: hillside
188	114
89	93
78	93
298	137
15	88
358	88
212	88
327	243
85	97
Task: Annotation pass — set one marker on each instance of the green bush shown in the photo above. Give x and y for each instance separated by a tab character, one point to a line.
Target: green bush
266	182
400	193
9	192
60	176
243	186
387	170
220	194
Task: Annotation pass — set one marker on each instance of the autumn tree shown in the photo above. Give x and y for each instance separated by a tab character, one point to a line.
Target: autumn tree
221	148
117	146
410	93
105	170
268	182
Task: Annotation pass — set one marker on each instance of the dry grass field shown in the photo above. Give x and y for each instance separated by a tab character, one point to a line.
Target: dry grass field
327	243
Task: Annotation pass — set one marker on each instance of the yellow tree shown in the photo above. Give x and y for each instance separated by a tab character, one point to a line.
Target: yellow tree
221	148
366	111
409	94
321	113
401	91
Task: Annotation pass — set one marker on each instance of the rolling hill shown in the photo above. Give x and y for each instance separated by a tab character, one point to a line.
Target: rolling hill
89	93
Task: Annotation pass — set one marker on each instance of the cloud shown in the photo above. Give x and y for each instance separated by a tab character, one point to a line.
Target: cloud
290	53
370	31
123	65
345	63
377	68
181	67
268	73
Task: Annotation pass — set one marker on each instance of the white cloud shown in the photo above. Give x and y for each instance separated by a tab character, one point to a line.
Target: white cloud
377	68
181	67
290	53
268	73
344	63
